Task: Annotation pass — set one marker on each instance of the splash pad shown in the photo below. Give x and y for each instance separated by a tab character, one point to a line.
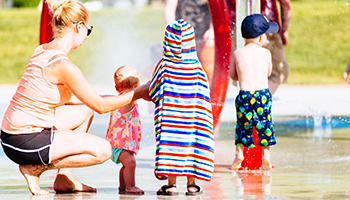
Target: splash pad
223	51
307	164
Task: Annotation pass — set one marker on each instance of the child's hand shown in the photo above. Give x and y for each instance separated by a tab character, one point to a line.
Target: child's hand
143	91
345	77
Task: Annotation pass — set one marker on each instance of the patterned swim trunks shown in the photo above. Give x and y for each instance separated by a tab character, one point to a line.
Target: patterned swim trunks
254	109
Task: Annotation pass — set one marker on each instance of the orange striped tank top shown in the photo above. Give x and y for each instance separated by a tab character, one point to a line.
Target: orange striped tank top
32	107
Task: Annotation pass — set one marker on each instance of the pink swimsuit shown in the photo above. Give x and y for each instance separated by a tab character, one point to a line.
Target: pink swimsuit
124	130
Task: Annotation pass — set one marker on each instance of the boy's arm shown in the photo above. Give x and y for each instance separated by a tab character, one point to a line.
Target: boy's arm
233	70
269	65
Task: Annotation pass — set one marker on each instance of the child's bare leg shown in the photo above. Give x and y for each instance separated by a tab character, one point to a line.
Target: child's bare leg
266	163
238	159
121	180
171	180
128	160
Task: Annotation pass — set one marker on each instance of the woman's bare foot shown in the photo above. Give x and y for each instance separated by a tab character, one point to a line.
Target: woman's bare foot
32	175
236	164
266	165
134	190
65	184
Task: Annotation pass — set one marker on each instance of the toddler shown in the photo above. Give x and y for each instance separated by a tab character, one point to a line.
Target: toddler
124	131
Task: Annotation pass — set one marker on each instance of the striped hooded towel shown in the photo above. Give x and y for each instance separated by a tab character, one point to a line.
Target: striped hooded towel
183	117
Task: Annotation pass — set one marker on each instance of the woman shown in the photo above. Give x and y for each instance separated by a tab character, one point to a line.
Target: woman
44	127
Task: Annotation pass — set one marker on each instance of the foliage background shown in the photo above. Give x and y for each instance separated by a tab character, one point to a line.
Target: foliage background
25	3
317	51
318	48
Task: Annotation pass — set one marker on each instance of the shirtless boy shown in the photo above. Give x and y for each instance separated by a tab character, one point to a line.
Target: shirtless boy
252	66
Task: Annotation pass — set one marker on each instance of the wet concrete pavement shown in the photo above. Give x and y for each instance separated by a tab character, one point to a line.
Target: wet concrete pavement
310	161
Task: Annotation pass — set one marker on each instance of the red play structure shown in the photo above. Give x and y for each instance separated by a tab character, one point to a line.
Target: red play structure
46	33
223	54
222	30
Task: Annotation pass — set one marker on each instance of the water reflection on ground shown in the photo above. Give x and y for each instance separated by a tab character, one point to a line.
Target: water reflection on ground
305	167
311	160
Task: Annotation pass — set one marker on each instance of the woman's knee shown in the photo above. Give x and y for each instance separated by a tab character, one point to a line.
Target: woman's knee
81	110
104	151
73	117
86	111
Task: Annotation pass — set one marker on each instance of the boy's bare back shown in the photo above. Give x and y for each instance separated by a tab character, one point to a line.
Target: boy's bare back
251	67
252	63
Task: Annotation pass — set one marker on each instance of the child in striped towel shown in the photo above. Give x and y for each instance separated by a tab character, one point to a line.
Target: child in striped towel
183	118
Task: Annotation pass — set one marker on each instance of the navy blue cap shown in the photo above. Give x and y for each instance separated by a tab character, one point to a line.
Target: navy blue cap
257	24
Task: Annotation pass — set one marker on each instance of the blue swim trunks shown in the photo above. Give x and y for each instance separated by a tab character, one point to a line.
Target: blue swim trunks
254	109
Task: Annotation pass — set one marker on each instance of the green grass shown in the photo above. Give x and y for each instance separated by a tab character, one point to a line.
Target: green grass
317	52
19	36
319	42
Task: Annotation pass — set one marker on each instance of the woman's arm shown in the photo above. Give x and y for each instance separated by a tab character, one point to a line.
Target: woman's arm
74	101
67	73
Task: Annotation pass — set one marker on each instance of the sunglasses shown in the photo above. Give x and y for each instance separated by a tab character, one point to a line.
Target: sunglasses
89	30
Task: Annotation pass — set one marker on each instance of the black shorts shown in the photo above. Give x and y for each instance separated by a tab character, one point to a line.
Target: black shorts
28	149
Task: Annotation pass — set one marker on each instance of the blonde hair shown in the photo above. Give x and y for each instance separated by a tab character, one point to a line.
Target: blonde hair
65	13
127	80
